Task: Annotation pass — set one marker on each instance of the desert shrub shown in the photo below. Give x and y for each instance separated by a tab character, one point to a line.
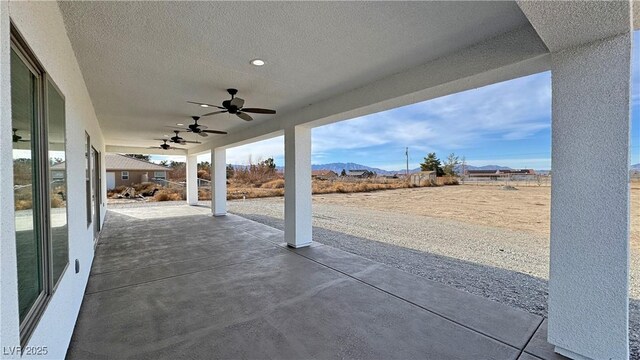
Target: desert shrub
204	174
447	180
204	194
57	202
168	195
256	174
144	187
23	204
273	184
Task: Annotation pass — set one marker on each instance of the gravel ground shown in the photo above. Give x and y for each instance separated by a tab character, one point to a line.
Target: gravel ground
478	259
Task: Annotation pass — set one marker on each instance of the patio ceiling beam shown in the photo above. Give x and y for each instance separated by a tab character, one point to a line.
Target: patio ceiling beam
142	150
507	56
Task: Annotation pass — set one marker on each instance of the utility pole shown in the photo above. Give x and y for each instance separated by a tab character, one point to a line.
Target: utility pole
406	153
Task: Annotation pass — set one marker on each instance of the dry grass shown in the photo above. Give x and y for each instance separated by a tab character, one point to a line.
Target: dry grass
273	184
167	195
275	187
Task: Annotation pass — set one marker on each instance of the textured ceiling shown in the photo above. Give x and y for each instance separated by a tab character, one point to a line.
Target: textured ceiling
143	60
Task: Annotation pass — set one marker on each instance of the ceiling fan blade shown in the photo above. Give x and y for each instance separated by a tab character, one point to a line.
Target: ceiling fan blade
175	148
259	111
215	112
154	147
237	102
244	116
203	134
215	132
191	142
209	105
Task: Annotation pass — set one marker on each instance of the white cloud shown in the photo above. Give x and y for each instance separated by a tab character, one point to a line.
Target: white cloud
260	150
512	110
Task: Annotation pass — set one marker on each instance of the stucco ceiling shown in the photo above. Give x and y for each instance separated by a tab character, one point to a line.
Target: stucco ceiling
143	60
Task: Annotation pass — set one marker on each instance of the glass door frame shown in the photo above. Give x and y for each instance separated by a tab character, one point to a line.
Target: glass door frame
41	174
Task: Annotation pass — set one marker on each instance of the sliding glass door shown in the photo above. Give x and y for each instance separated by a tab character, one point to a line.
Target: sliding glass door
27	192
40	190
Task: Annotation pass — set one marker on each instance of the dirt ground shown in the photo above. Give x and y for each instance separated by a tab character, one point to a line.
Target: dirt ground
525	209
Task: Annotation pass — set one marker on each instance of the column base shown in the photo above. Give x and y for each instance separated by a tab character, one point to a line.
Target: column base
298	246
220	214
570	354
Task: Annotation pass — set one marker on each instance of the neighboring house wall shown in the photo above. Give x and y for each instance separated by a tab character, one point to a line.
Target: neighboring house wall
135	176
42	27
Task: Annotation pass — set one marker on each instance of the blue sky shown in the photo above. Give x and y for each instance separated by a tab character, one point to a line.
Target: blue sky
506	124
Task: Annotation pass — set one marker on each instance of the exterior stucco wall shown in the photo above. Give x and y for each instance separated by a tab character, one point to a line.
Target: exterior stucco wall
135	177
589	275
41	25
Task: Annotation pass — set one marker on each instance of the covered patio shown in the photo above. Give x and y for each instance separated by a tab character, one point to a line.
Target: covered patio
194	282
173	281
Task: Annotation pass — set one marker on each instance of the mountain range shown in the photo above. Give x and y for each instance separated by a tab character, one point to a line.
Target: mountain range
338	167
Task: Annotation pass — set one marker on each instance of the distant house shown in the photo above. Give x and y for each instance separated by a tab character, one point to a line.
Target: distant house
513	174
323	174
423	178
359	173
58	171
124	170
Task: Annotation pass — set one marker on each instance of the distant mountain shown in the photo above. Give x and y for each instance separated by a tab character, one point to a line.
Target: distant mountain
338	167
635	167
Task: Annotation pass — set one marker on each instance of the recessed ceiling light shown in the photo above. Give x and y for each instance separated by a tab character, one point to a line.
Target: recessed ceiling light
257	62
179	124
204	105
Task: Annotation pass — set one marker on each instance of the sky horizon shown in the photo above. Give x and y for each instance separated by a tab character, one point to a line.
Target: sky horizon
506	124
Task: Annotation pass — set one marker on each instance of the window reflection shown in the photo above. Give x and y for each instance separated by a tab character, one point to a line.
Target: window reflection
23	111
57	182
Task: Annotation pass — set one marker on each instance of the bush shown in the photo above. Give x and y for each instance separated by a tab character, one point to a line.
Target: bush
165	195
273	184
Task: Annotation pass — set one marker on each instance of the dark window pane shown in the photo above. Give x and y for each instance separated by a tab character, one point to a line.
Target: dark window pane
57	182
23	113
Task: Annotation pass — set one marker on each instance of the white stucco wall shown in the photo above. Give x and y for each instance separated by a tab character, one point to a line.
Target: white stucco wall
41	25
589	267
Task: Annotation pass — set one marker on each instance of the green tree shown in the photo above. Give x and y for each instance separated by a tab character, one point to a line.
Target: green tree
269	163
139	156
450	164
230	171
432	163
343	173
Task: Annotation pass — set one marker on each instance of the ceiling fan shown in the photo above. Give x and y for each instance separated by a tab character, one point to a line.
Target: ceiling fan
180	140
17	138
164	146
234	106
198	129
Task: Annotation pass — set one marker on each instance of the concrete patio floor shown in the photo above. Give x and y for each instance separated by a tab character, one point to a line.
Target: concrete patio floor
173	282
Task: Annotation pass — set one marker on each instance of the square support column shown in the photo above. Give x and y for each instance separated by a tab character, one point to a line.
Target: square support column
589	268
219	181
192	180
297	186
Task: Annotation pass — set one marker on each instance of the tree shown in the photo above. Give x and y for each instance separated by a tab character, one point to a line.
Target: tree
432	163
343	173
450	164
139	156
230	171
269	163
